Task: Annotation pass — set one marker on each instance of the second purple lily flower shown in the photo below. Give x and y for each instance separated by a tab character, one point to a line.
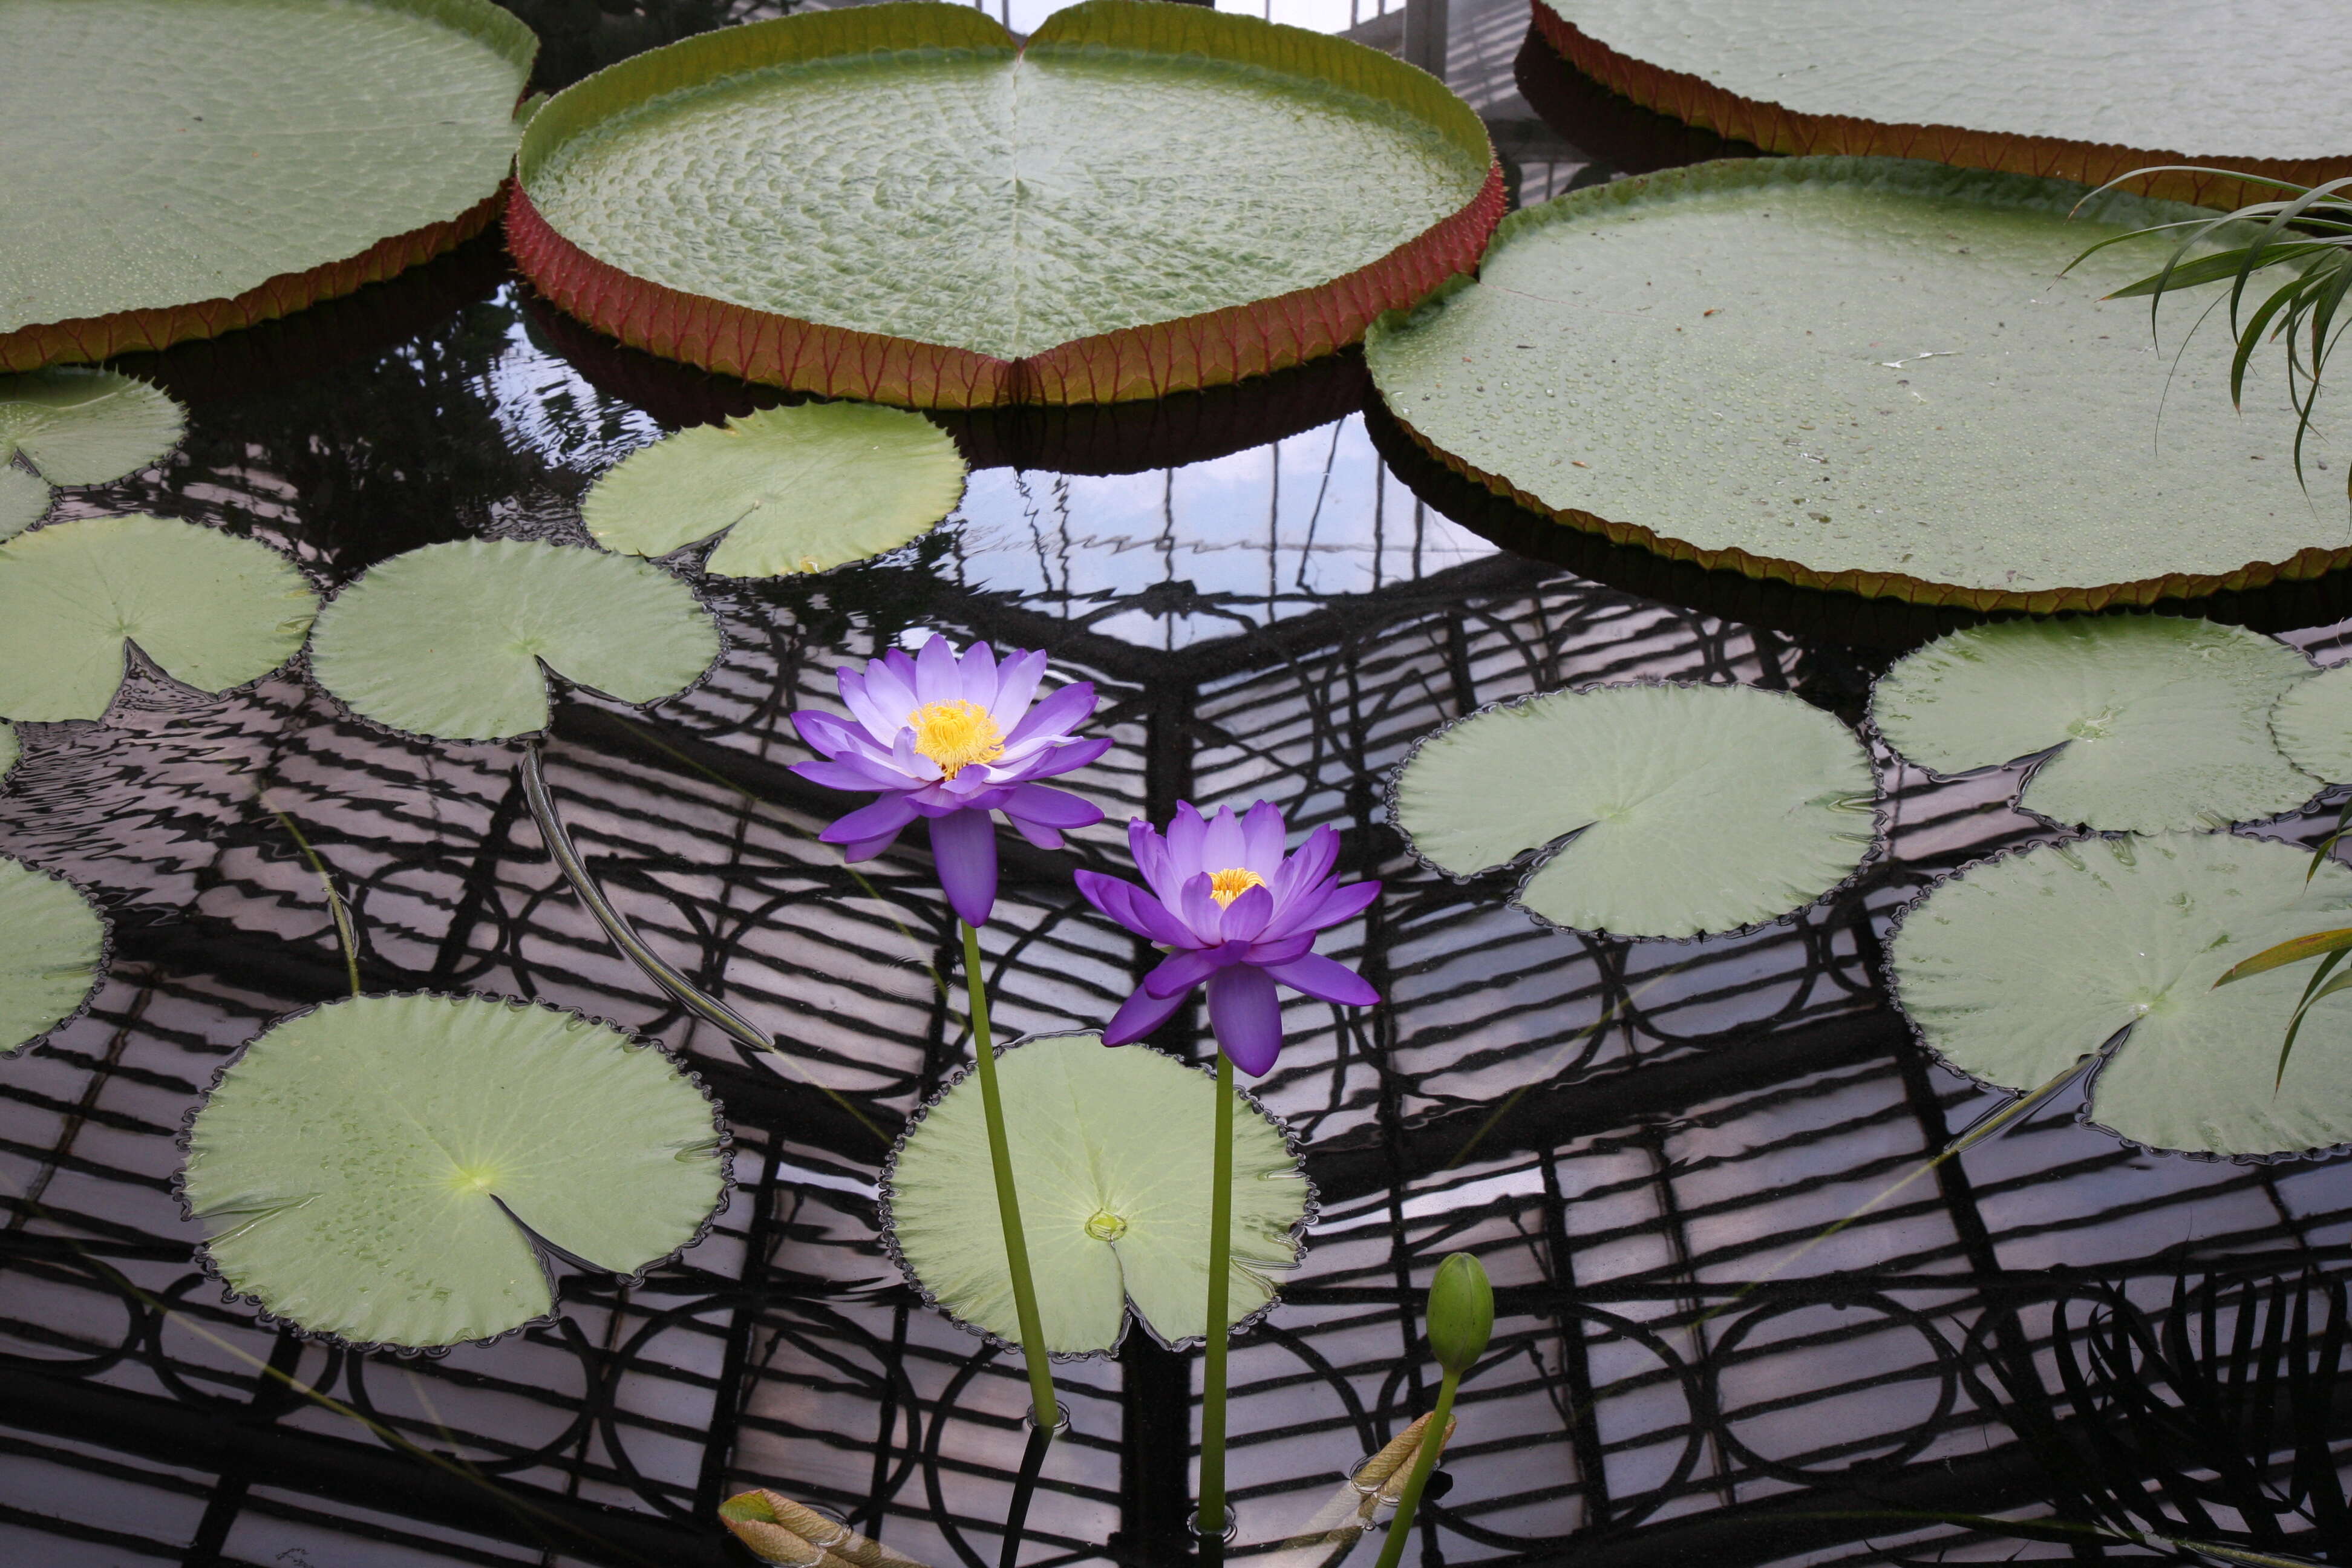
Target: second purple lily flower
951	738
1236	913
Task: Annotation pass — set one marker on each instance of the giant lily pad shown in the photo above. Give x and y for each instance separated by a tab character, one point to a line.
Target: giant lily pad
2019	968
1141	199
801	489
179	170
455	640
52	948
401	1170
2077	91
75	426
1863	373
2149	722
2312	725
1685	810
1111	1151
211	611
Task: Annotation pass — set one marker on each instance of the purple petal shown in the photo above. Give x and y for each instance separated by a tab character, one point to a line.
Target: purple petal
1052	807
884	818
867	848
1309	866
1266	954
890	684
1185	832
1246	916
1133	907
938	677
1325	980
964	845
847	774
1320	908
822	731
978	669
1247	1016
1150	854
1043	837
1139	1015
1055	715
1222	846
1198	908
1182	969
910	761
1044	759
1262	832
1017	683
872	717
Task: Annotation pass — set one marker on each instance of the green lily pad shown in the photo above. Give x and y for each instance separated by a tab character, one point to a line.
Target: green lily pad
394	1170
52	947
2017	968
2151	723
10	747
1813	369
178	169
77	427
212	611
796	489
1686	809
1133	202
455	640
2001	84
2312	725
24	500
1111	1151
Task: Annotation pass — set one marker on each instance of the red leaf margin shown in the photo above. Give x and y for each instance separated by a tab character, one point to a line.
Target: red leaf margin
1188	353
1695	100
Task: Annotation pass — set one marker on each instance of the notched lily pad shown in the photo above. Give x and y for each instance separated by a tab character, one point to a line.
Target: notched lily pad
1685	809
795	488
76	427
1111	1150
2017	968
2150	724
455	640
211	611
400	1171
2312	725
53	948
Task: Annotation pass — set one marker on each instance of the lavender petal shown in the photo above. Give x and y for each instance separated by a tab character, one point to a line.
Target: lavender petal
1246	1015
963	843
1325	980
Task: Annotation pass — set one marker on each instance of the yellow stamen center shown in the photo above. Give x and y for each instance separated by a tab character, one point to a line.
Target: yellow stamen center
956	734
1231	883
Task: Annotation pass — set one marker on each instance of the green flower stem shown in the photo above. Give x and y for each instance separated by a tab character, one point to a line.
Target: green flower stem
1008	1200
1433	1438
1221	1278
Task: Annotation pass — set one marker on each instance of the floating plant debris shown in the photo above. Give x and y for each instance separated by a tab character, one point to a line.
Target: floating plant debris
1184	198
1811	370
402	1170
804	488
1111	1148
1686	809
2017	968
2148	722
455	640
211	611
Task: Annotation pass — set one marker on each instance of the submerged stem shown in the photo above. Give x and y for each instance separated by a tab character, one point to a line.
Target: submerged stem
1433	1439
1221	1278
1047	1414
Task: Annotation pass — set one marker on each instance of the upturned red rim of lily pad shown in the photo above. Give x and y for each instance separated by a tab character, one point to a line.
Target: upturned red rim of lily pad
1153	359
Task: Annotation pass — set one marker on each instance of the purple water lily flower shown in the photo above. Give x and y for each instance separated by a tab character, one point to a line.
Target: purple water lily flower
1238	913
951	738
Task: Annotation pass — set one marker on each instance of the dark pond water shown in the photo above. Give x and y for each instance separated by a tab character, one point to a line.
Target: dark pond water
1275	599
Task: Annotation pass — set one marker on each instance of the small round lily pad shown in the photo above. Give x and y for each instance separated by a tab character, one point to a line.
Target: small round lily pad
2017	968
1685	810
455	640
2149	722
401	1171
1111	1152
77	427
212	611
796	489
52	949
2312	725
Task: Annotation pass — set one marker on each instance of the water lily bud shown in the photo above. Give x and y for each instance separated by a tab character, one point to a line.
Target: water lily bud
1461	1312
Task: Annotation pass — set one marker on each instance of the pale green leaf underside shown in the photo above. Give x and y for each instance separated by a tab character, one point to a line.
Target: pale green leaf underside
212	611
78	426
51	943
2312	725
1696	809
2160	723
2020	967
1002	203
447	640
164	153
24	500
1738	357
796	489
1119	1138
349	1167
2162	73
